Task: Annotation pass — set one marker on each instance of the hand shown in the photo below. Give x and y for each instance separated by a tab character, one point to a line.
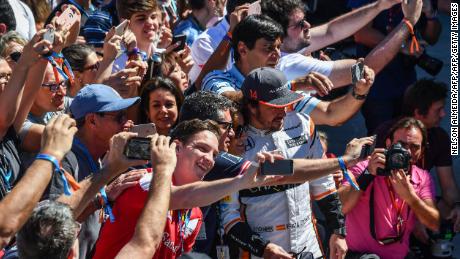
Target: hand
129	39
412	10
454	216
376	161
273	251
58	136
402	186
111	46
238	15
163	154
34	49
165	38
140	65
385	4
251	178
314	81
363	86
323	56
338	247
125	82
123	182
70	34
115	159
338	178
185	60
354	147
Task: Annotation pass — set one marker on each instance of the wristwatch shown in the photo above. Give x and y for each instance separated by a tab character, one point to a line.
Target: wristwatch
358	96
340	232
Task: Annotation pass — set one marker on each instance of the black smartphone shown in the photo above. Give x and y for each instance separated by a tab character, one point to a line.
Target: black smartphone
279	167
357	72
182	38
138	148
368	149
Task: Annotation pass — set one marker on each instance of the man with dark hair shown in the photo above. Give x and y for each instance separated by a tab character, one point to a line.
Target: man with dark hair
207	42
382	214
7	19
202	12
425	101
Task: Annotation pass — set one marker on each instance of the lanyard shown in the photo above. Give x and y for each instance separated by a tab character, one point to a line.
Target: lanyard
94	168
58	61
184	219
398	206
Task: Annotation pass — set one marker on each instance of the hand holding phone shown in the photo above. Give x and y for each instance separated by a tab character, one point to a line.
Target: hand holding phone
181	39
367	150
67	19
49	35
255	8
121	28
138	148
144	130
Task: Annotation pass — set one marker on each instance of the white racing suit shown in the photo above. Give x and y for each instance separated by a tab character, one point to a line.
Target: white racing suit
281	214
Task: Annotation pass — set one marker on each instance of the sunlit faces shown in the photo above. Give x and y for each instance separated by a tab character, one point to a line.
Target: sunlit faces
264	54
12	47
267	118
195	158
434	116
411	139
87	76
298	31
162	110
179	77
238	142
145	26
50	97
226	130
105	125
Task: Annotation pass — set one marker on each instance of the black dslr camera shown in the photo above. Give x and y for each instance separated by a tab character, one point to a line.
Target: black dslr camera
396	157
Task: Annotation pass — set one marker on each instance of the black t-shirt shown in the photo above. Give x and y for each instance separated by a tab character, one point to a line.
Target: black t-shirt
225	166
10	162
437	152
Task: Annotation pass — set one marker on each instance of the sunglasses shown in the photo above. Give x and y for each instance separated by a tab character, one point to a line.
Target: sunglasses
54	87
15	56
227	125
94	67
5	76
118	117
302	24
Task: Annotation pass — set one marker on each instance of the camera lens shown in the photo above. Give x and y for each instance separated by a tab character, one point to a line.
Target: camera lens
397	161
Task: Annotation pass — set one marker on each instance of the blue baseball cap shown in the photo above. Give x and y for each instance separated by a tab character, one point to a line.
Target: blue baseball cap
99	98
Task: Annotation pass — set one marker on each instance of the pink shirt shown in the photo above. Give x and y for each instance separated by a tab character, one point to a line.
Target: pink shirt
359	238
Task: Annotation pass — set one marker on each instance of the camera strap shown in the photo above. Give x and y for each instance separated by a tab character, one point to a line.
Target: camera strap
400	221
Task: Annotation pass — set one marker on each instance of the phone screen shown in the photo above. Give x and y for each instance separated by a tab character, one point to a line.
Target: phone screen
279	167
179	38
138	148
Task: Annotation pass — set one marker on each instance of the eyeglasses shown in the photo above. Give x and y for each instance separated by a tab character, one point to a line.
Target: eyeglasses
302	24
118	117
15	56
54	87
94	67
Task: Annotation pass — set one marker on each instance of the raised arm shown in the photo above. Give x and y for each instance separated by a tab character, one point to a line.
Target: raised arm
18	205
346	25
150	226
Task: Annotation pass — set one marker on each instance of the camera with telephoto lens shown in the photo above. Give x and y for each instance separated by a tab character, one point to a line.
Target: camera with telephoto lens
396	157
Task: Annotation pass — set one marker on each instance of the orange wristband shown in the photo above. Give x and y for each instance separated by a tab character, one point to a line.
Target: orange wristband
414	43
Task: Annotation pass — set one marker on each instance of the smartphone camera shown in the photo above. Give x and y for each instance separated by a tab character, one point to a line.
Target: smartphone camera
138	148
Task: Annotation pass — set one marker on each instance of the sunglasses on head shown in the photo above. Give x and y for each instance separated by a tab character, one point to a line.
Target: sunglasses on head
54	87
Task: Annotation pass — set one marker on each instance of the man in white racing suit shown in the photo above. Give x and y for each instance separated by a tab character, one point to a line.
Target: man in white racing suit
280	216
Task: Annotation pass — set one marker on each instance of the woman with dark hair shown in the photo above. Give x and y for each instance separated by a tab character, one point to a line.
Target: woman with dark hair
84	63
160	103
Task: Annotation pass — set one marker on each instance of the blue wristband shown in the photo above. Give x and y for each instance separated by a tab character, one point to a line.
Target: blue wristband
343	167
57	169
107	208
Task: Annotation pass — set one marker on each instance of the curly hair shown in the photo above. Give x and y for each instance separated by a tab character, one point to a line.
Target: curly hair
280	10
422	94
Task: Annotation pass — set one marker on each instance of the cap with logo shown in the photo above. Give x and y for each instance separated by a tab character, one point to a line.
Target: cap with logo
269	86
99	98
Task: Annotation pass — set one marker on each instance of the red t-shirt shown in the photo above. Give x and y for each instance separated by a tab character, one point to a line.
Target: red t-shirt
128	208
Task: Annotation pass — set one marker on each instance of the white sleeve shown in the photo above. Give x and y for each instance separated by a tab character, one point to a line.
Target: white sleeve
307	104
296	65
230	211
201	51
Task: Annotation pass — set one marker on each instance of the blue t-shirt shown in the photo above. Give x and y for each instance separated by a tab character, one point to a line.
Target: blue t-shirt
190	28
399	73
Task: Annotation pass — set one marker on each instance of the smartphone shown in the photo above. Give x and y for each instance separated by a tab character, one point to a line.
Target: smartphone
67	18
138	148
49	35
367	150
121	28
357	72
279	167
255	8
144	130
179	38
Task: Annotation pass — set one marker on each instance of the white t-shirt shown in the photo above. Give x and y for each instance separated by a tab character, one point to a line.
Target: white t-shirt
204	46
295	65
25	21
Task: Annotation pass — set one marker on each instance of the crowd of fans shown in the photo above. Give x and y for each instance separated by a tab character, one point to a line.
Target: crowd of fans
222	89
